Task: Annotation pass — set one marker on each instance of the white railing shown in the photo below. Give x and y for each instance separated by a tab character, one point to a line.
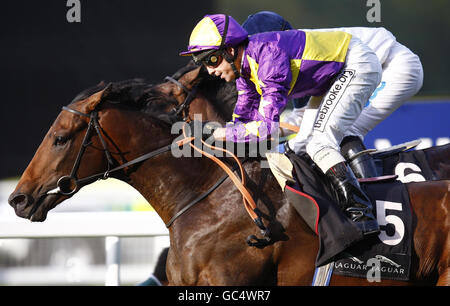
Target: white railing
111	225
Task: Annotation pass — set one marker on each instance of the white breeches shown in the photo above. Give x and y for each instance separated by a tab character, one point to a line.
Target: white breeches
340	107
402	78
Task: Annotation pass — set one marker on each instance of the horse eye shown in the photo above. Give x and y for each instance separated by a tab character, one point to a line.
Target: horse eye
60	140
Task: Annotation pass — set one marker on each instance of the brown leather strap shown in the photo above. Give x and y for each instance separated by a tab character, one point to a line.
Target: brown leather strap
249	203
240	183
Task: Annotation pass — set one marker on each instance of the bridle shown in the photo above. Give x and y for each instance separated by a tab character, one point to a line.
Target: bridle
69	184
183	107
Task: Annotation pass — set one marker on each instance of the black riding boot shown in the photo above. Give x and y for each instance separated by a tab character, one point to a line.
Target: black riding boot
363	165
352	199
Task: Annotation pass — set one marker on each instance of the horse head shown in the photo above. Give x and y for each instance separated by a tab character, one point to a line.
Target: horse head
88	137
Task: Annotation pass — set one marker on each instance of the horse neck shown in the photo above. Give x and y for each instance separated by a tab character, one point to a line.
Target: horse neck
165	181
202	109
169	183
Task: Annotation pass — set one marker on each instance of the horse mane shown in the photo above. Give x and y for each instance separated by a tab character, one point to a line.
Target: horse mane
142	96
132	93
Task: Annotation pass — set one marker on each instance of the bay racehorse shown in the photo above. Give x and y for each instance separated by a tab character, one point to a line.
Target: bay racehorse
94	136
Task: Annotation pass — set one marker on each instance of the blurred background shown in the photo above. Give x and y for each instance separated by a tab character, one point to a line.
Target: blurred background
45	60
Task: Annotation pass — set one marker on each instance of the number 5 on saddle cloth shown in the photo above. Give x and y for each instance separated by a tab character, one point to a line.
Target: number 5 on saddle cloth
309	192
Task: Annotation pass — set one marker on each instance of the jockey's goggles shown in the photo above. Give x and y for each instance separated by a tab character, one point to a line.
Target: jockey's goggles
210	58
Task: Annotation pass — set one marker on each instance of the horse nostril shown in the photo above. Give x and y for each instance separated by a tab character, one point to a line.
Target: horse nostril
19	199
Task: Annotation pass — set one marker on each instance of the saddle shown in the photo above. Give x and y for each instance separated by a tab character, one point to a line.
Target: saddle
341	244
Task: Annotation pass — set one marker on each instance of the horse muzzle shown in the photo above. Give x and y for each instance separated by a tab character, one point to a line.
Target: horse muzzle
22	203
28	207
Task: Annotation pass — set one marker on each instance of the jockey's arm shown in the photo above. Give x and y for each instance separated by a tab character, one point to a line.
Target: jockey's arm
262	97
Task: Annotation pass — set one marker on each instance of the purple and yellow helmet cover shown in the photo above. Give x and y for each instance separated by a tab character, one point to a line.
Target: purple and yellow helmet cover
209	32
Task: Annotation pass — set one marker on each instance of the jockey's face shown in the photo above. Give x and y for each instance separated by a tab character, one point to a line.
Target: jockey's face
224	70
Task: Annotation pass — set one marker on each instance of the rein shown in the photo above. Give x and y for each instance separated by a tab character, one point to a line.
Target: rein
248	200
69	184
199	198
239	182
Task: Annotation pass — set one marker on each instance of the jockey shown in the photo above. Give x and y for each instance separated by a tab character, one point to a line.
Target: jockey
270	68
402	78
267	21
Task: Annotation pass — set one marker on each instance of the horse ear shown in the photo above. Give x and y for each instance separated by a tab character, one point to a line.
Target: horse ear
91	103
101	84
190	78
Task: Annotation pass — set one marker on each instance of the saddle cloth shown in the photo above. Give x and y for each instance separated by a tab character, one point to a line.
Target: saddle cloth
386	256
